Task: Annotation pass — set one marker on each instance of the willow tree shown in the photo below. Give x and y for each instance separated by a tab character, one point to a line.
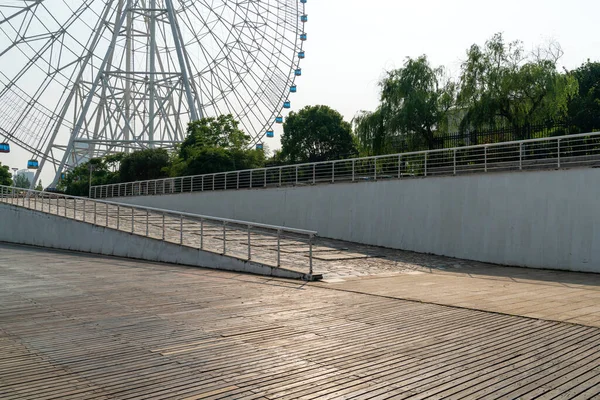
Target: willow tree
501	84
414	105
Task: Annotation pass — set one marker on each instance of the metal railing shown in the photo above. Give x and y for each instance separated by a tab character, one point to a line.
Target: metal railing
544	153
249	241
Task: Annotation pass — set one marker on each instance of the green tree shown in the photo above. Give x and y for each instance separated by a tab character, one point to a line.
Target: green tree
501	84
143	165
215	145
414	106
5	178
104	171
316	133
584	109
21	181
39	185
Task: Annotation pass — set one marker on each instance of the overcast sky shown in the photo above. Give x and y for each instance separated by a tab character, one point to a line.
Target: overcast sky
351	43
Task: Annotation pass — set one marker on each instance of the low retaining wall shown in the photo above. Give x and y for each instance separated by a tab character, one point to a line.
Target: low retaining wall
539	219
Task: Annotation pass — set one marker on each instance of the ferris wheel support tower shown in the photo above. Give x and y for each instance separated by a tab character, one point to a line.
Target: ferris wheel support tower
105	92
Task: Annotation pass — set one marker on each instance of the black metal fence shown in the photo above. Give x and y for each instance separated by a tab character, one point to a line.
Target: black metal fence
496	134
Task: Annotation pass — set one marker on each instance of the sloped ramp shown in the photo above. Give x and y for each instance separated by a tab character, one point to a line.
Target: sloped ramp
22	225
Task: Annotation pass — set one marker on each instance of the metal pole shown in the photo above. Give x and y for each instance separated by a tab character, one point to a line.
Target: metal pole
181	229
213	180
74	208
279	247
118	216
425	164
147	222
280	169
238	181
375	169
224	238
249	248
399	167
163	226
520	156
454	161
333	172
95	210
201	233
353	169
296	175
132	219
250	179
310	254
265	177
106	209
314	173
558	155
485	159
84	209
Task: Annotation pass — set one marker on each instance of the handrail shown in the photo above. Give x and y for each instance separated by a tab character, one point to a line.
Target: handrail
106	210
261	177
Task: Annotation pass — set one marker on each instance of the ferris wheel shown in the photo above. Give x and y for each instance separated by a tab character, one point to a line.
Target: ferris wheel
87	78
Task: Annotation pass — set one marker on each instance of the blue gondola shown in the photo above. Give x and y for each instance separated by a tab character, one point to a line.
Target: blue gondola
303	36
279	120
4	148
298	72
293	89
259	146
287	104
270	134
304	18
32	164
303	1
301	54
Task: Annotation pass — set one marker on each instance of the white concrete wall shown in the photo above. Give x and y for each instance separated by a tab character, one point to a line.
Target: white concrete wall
24	226
540	219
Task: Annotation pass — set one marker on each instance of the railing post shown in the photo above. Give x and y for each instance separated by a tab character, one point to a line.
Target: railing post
213	181
485	158
192	185
399	167
454	162
202	183
106	209
521	156
181	229
249	248
265	177
314	173
280	169
425	164
181	185
296	175
95	210
225	178
65	206
237	186
132	220
353	169
118	216
278	247
201	233
558	154
74	208
375	169
310	255
333	172
84	209
250	179
163	226
147	222
224	238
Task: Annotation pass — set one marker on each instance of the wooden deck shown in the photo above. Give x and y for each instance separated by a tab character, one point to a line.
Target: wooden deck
85	327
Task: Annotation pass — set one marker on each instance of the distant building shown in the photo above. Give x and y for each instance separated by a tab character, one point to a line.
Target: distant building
27	174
